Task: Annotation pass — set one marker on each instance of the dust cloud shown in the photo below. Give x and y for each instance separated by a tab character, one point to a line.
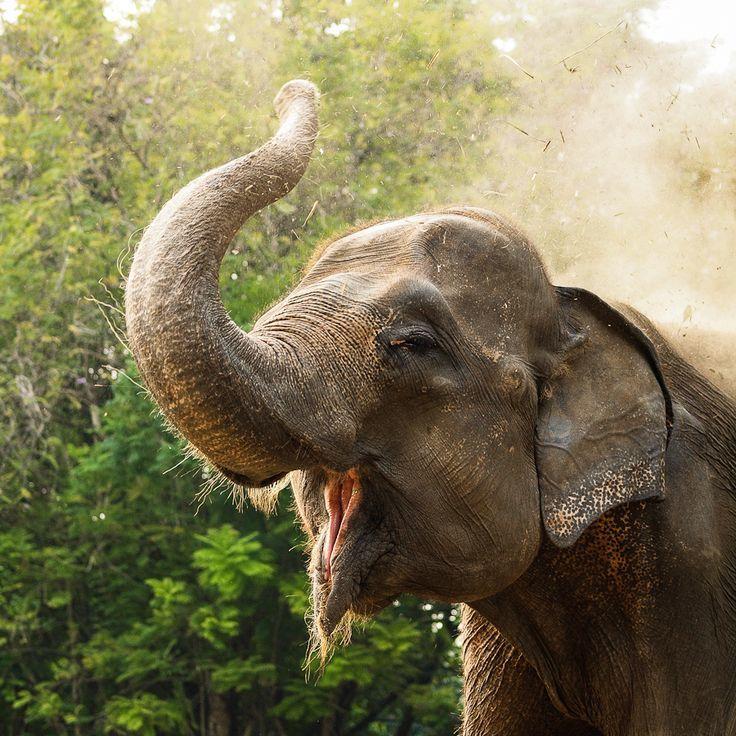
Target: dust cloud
618	155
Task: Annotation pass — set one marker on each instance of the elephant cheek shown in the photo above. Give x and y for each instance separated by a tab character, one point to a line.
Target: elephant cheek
506	543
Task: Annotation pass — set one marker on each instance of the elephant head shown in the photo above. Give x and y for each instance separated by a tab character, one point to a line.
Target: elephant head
440	405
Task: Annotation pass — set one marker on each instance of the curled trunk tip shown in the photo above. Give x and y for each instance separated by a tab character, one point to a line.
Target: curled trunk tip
294	90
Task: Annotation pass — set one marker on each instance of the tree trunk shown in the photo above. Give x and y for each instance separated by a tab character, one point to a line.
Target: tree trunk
334	723
218	717
406	722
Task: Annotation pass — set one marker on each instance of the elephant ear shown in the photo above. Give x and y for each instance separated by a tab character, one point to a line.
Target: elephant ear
604	420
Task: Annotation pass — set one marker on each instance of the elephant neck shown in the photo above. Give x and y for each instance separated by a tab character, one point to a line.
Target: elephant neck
623	629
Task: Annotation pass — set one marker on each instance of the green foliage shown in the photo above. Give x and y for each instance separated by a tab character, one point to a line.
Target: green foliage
229	562
122	610
144	714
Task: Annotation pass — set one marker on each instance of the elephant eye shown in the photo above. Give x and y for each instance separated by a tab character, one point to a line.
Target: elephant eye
418	342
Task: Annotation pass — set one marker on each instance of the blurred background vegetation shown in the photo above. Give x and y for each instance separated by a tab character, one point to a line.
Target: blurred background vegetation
124	609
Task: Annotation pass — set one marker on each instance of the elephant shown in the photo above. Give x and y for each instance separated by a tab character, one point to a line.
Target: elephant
456	427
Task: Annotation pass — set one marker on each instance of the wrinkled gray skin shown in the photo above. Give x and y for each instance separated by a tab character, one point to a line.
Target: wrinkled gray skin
526	449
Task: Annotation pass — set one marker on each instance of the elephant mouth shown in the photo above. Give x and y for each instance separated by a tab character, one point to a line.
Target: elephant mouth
352	547
341	500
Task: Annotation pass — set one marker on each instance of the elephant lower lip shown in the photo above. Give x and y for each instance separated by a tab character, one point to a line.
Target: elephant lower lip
341	494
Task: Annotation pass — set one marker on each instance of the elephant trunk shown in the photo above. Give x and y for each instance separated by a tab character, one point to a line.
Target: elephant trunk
213	381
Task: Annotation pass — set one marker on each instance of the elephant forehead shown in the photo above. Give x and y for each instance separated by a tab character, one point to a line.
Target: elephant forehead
487	271
464	245
493	281
375	251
